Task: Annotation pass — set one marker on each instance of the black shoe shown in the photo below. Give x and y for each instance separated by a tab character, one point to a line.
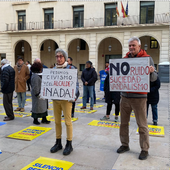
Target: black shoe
57	146
143	155
68	148
36	122
44	120
72	116
62	116
155	123
123	149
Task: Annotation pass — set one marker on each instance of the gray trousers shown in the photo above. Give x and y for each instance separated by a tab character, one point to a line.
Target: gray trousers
7	102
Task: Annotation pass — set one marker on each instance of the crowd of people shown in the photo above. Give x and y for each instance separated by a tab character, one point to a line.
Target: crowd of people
31	75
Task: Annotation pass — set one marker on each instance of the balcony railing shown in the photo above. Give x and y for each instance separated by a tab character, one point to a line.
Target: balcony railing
91	22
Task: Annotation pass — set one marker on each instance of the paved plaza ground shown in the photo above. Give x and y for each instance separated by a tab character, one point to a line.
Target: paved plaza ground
94	147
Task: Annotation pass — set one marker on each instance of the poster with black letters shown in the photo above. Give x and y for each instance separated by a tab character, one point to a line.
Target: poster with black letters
130	74
59	84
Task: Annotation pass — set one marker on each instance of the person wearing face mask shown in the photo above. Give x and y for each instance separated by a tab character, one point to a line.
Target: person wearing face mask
64	106
22	74
135	101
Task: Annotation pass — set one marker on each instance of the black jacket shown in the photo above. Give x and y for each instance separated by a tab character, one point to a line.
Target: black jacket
89	75
110	97
153	96
7	80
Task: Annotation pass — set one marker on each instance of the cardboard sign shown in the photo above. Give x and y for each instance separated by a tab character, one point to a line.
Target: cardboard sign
88	105
2	123
19	114
84	110
29	133
130	74
105	124
43	163
155	130
51	118
59	84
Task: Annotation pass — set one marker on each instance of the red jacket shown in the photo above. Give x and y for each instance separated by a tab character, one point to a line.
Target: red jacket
142	53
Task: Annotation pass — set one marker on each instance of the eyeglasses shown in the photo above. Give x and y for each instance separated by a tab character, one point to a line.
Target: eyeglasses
59	56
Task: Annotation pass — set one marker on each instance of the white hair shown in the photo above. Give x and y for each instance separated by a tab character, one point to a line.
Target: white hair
37	60
134	39
4	61
59	50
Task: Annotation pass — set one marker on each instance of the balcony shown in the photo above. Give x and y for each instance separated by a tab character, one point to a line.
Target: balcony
159	19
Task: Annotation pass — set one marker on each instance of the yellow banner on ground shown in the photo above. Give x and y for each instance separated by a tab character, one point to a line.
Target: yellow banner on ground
43	163
155	130
132	114
29	133
105	124
19	114
84	110
50	108
51	118
28	100
28	94
95	105
82	98
14	104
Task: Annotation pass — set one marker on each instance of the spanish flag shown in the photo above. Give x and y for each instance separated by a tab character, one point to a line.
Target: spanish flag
117	11
123	11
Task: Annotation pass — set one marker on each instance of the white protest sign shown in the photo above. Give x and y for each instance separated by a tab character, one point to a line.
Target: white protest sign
59	84
130	74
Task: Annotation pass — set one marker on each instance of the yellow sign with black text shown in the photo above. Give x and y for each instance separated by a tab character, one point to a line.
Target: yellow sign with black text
51	118
43	163
19	114
29	133
84	110
105	124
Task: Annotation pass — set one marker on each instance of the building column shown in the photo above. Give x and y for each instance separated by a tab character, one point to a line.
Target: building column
62	44
93	51
164	48
125	48
35	48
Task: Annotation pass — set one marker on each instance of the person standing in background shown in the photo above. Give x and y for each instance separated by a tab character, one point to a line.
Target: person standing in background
22	74
7	88
29	80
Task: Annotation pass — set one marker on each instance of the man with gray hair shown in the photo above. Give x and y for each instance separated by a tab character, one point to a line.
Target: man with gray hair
7	88
137	102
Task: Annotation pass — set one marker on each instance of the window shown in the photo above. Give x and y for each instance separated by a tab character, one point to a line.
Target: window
153	43
110	14
3	56
78	16
48	18
82	44
21	20
147	12
82	67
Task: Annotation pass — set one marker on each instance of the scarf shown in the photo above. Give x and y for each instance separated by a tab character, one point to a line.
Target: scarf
62	66
19	67
6	65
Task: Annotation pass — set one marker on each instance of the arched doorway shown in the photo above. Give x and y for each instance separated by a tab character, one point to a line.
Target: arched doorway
23	49
109	48
78	50
151	46
47	52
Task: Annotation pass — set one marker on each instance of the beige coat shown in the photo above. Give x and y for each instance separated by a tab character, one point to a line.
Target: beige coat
21	78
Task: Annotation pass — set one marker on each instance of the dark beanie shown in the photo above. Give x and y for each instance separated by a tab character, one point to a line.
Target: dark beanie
89	62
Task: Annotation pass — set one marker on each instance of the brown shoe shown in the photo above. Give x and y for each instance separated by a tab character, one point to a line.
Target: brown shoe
8	119
22	110
83	107
17	109
91	108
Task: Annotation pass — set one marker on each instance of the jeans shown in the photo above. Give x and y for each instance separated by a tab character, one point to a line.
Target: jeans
21	99
65	106
94	95
154	112
87	89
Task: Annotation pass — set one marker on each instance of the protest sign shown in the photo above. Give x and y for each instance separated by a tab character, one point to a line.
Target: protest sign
155	130
29	133
105	124
130	74
59	84
43	163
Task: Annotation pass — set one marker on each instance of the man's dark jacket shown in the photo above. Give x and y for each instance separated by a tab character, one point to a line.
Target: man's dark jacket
153	96
89	75
7	80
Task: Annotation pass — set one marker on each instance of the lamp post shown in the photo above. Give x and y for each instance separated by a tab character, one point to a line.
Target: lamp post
78	48
110	48
49	49
145	47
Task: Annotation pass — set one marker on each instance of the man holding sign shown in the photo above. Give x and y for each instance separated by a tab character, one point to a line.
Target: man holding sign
132	75
61	85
